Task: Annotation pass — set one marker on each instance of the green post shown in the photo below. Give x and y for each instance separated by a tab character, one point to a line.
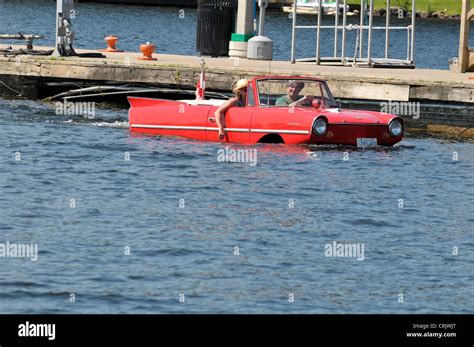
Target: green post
244	32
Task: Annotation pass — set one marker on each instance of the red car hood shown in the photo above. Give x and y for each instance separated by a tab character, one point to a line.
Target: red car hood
342	116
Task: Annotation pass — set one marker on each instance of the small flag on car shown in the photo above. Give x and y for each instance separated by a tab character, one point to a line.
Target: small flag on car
201	84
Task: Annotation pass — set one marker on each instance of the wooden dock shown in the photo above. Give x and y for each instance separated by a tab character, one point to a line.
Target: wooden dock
182	72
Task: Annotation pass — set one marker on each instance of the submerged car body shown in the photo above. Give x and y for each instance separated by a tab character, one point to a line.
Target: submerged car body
263	118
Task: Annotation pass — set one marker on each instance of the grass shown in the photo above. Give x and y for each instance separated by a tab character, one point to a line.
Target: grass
450	7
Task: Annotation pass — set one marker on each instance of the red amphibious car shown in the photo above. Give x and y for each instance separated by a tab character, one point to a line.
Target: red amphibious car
266	118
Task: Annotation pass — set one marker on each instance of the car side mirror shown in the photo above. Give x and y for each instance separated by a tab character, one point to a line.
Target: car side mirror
338	104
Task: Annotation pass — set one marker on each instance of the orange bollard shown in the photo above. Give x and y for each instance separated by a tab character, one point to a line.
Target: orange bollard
147	50
111	41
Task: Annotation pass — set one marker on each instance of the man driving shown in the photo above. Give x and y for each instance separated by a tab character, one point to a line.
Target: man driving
293	90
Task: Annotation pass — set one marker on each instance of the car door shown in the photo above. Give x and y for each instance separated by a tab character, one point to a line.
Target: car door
292	125
237	121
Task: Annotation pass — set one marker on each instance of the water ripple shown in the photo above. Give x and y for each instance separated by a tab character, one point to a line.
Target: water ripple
130	236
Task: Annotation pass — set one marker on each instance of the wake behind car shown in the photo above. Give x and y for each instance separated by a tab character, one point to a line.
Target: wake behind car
280	109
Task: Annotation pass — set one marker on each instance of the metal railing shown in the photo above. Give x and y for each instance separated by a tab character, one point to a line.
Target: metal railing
343	58
28	38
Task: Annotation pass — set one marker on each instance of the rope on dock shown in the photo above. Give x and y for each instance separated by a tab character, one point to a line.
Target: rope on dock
16	91
11	52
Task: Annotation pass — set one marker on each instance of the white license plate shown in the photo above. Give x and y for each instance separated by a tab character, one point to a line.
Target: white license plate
366	142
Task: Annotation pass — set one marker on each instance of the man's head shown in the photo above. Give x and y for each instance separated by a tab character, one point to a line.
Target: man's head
294	88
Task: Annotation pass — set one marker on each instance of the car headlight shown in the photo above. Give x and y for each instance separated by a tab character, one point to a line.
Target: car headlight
395	128
320	126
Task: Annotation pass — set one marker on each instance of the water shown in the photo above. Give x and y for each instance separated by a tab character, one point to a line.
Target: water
280	214
181	214
174	31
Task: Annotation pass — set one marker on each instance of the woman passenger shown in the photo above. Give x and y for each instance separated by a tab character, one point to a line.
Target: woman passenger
239	99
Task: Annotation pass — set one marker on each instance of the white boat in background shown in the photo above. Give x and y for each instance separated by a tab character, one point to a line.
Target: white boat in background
329	7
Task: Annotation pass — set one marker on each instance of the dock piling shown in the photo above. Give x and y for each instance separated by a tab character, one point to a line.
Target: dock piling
465	54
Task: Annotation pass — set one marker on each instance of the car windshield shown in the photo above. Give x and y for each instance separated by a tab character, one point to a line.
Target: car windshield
283	92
